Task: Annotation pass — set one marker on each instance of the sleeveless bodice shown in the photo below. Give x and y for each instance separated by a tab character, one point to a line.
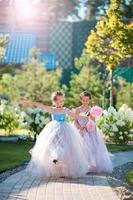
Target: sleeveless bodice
60	117
82	121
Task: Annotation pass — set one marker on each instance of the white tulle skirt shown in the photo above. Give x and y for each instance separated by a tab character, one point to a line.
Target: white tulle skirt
99	158
59	151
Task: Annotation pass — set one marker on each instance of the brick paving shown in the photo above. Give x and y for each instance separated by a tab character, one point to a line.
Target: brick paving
19	186
22	187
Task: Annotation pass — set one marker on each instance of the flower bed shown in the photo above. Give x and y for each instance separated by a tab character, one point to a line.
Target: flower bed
117	125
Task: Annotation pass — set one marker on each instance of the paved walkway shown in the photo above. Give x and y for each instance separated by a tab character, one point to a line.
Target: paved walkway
20	187
121	158
92	187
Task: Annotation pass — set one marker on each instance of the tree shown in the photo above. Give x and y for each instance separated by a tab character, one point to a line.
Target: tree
60	9
87	79
92	8
33	81
3	45
112	41
51	10
8	69
126	8
124	95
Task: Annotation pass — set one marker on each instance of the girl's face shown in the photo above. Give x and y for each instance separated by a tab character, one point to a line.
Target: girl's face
59	101
85	101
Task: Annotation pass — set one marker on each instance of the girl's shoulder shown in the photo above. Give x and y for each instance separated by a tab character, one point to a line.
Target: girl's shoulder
67	111
78	109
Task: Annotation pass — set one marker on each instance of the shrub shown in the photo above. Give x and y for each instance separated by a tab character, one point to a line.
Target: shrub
36	119
10	117
118	125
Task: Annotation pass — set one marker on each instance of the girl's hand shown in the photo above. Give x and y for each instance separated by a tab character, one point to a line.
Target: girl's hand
92	117
76	116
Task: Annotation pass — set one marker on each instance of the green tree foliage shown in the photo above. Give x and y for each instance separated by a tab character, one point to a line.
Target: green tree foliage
126	8
92	8
87	79
111	42
8	69
10	117
125	93
33	81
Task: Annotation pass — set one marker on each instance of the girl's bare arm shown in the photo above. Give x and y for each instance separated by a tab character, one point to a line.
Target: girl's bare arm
76	120
36	104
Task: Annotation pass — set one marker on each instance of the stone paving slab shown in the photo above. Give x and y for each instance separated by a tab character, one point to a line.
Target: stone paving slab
21	187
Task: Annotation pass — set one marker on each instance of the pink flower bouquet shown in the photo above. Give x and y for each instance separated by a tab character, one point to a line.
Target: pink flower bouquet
96	111
90	126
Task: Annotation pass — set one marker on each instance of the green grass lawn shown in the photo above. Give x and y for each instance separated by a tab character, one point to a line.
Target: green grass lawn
13	154
115	148
130	177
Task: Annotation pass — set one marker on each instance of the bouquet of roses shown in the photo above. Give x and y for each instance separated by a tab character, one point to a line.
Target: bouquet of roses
95	112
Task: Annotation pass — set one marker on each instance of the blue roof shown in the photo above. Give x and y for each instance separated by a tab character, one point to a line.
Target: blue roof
18	50
49	60
19	47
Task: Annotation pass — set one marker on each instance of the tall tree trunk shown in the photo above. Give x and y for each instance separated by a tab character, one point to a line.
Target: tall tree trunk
111	88
130	64
104	94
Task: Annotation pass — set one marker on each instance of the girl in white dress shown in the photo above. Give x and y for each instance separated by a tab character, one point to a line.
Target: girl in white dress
97	153
59	149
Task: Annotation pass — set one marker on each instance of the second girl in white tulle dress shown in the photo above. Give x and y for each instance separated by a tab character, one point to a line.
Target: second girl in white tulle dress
59	149
97	154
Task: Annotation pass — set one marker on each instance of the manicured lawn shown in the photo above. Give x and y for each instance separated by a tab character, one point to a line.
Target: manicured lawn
13	154
115	148
130	177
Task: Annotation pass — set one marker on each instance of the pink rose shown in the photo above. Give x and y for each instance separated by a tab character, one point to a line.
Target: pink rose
90	126
96	111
